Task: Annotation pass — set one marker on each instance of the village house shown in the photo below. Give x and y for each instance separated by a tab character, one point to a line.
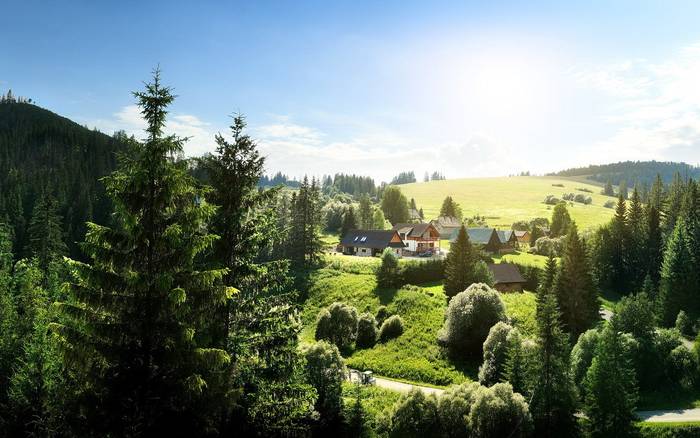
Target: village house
369	243
508	240
523	237
418	238
484	239
446	226
507	277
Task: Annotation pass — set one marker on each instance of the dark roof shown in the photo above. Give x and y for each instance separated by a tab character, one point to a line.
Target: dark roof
411	230
477	236
505	273
377	239
504	235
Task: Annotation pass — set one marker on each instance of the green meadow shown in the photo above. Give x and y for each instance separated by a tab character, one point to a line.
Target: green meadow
504	200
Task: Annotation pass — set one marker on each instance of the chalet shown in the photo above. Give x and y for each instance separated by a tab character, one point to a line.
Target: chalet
446	226
371	242
507	277
485	239
418	237
508	240
523	237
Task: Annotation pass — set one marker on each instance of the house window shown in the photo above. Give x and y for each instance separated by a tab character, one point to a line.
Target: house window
355	239
363	239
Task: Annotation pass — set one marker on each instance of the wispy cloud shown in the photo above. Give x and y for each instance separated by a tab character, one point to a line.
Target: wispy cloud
654	110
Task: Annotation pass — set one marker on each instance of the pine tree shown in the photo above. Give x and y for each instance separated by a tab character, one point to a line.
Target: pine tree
365	213
656	194
553	402
611	389
450	208
577	297
608	189
673	203
304	235
622	189
653	256
678	277
9	337
134	312
349	222
636	240
619	252
459	264
517	369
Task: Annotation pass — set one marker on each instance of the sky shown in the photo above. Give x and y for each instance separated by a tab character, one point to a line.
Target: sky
465	88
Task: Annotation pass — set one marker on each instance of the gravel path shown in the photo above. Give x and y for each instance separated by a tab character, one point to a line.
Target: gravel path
677	415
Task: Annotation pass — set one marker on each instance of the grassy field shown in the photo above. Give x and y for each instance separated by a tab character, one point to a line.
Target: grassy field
504	200
522	258
414	356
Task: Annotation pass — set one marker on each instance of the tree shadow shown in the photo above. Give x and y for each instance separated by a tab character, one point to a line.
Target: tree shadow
385	295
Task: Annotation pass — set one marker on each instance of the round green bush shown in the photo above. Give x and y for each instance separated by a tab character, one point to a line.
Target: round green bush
499	412
495	354
469	317
414	416
325	371
366	331
382	314
338	325
391	328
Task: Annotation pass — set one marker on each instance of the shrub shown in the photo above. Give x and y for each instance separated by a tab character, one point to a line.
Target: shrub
469	317
583	199
568	196
415	415
366	331
635	315
609	204
325	371
339	326
549	245
558	185
499	412
388	273
495	354
382	314
682	366
417	272
582	355
551	200
453	409
391	328
684	324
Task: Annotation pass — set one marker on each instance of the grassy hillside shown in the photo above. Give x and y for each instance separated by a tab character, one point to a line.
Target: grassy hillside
414	356
504	200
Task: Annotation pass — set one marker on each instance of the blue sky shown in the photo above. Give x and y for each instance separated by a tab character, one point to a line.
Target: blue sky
466	88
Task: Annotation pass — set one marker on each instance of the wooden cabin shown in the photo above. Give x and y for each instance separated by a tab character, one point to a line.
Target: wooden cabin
418	237
507	277
367	243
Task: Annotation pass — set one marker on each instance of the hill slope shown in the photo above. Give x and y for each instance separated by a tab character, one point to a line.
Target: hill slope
504	200
41	151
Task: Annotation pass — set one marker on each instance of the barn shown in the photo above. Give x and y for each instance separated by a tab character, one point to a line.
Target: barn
507	277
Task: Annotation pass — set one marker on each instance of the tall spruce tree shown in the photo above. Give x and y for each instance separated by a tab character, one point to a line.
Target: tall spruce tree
131	325
574	288
678	277
304	235
653	256
365	213
553	403
349	221
459	264
636	242
673	202
619	239
45	233
611	388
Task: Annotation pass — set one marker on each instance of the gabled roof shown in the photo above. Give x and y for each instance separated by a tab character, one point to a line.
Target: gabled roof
477	236
505	273
412	230
377	239
447	221
504	235
414	214
519	233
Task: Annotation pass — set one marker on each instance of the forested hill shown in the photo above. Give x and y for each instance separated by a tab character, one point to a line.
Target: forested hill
44	153
633	171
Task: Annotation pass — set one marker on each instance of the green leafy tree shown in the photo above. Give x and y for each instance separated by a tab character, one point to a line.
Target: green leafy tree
395	205
582	355
338	325
611	388
132	318
366	331
415	416
450	208
561	221
499	412
325	371
459	264
378	221
574	288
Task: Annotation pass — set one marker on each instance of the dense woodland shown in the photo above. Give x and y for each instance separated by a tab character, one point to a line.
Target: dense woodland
643	172
142	294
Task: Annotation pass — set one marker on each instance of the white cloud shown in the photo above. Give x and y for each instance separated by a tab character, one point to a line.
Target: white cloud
654	110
